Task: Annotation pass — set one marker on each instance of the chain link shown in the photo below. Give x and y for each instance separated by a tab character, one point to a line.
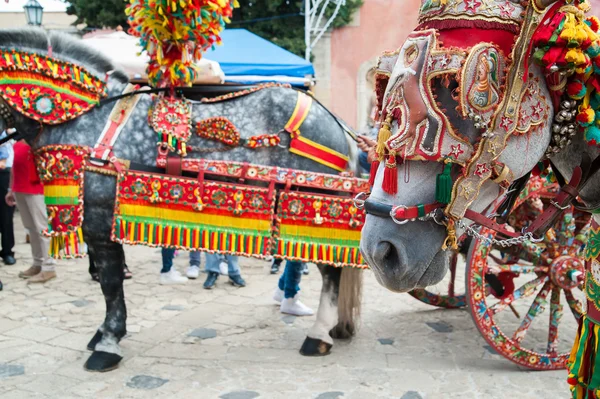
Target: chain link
509	242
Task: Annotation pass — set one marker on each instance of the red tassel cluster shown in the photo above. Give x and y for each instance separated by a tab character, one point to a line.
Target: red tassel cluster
390	176
373	172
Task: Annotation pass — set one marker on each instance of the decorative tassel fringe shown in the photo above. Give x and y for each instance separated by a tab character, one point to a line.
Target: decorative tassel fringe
67	245
451	241
224	240
373	172
584	364
320	253
390	176
443	187
384	135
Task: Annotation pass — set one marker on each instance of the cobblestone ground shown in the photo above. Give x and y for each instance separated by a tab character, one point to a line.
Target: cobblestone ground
187	342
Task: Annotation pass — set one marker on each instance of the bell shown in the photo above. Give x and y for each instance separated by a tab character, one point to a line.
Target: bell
555	128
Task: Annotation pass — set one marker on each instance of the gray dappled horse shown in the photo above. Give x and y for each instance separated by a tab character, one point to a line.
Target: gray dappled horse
264	111
408	256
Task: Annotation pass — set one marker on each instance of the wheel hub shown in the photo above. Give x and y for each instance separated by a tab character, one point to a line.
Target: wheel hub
567	272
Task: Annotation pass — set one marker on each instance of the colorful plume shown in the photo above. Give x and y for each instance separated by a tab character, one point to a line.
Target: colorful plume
175	33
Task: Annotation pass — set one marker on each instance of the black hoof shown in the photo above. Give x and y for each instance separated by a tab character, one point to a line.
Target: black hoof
95	339
102	361
315	347
342	331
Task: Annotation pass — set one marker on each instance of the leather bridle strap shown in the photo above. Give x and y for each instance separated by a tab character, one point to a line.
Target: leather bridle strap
489	223
400	212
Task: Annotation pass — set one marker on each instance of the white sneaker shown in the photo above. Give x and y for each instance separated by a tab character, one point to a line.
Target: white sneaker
224	269
294	307
193	272
172	277
278	295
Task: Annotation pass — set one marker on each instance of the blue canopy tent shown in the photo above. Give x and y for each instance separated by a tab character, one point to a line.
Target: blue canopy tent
247	58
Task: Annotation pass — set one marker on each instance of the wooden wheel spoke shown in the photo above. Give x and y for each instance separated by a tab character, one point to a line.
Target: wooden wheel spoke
574	304
524	291
537	307
517	268
556	312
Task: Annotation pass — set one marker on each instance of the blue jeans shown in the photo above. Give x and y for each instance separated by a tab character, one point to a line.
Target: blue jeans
195	258
363	160
169	253
289	282
213	261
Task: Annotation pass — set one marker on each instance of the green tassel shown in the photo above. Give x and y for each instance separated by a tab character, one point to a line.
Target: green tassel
443	188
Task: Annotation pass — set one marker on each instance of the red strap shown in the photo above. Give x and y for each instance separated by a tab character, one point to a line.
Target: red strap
412	212
489	223
174	166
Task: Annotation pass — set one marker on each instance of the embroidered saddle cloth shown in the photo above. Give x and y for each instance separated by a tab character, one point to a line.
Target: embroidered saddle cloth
46	89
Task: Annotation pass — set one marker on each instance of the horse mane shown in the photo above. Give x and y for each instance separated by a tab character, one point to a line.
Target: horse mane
64	47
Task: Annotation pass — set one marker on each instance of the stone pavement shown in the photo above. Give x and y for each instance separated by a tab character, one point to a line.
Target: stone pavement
187	342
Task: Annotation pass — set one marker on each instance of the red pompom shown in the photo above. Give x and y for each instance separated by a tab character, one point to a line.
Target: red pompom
593	23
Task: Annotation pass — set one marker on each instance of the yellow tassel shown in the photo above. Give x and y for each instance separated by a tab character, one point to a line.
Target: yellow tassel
451	241
384	135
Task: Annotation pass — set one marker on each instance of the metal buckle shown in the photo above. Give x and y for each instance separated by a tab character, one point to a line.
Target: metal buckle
359	200
562	208
393	215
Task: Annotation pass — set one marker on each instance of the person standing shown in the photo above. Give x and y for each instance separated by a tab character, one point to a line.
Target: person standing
6	211
27	192
287	291
213	270
168	274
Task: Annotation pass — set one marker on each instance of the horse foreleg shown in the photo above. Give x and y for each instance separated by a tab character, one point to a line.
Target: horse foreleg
109	259
338	308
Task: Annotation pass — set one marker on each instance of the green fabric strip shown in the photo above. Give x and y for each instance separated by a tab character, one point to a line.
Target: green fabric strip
421	210
61	200
580	348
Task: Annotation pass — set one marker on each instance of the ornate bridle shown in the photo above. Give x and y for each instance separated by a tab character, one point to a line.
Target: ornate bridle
482	165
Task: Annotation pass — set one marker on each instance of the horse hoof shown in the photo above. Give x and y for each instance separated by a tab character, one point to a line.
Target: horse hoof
102	361
95	339
315	347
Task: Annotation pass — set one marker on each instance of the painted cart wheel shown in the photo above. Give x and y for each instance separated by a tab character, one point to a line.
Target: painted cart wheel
449	294
510	289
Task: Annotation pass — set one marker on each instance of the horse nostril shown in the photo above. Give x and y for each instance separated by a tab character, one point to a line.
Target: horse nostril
391	259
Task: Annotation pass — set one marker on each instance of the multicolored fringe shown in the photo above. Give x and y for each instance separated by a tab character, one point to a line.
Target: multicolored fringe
61	170
165	211
319	229
584	364
176	33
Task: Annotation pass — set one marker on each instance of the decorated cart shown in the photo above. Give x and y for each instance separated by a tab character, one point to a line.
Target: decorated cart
507	290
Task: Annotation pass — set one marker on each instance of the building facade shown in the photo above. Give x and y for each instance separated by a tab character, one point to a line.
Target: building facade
343	58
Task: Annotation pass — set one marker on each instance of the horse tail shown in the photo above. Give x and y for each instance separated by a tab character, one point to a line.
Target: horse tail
349	302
